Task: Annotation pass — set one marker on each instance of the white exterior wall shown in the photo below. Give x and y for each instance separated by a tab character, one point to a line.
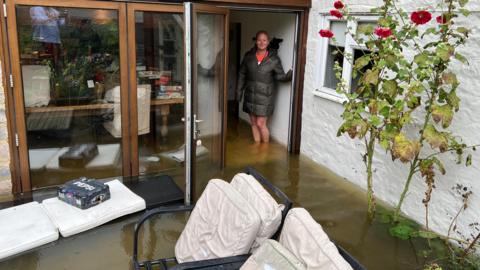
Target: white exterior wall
321	120
278	25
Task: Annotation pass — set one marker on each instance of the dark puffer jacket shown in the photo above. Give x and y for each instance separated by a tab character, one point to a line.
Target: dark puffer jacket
257	82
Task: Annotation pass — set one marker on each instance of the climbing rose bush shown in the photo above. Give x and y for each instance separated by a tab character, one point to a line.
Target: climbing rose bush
392	88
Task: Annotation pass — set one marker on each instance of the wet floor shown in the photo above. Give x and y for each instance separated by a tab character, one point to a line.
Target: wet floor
336	204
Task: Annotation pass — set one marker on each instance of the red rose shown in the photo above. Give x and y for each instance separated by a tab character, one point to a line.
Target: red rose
441	19
383	32
338	4
421	17
326	33
336	13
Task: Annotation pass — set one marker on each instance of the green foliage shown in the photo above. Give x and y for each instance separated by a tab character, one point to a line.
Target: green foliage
392	88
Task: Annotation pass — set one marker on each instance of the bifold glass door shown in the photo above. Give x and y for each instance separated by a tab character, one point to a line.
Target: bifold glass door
209	66
100	89
156	62
69	81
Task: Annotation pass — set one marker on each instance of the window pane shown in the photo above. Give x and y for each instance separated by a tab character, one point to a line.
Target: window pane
160	92
357	53
338	28
334	54
362	27
70	68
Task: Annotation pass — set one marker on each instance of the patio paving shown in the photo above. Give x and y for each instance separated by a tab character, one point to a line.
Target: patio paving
336	204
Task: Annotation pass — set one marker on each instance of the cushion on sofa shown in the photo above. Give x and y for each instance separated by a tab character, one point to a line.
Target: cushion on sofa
269	210
272	255
305	238
222	224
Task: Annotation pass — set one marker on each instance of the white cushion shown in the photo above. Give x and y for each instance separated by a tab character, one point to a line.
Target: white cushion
268	209
272	255
71	220
25	227
305	238
222	224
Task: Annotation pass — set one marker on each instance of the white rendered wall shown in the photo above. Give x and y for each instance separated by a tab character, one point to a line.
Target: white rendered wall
277	25
321	119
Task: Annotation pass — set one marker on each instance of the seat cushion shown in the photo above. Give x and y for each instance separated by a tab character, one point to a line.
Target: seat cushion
25	227
71	220
305	238
272	255
222	224
268	209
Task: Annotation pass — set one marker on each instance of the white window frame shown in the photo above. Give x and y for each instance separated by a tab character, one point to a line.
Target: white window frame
347	68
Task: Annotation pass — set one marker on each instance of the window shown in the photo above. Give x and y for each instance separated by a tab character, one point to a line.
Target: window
332	52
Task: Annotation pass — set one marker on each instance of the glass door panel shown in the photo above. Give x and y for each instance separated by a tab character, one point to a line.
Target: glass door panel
209	86
70	86
158	88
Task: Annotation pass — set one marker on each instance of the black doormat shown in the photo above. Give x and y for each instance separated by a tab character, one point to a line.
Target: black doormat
156	190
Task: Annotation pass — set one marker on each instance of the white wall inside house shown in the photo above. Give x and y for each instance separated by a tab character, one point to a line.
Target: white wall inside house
321	119
279	25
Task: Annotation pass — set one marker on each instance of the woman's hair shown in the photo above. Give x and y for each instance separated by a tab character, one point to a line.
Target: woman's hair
261	32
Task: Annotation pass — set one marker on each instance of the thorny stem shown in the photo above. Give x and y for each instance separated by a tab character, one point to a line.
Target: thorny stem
405	189
472	244
370	197
415	163
450	150
454	220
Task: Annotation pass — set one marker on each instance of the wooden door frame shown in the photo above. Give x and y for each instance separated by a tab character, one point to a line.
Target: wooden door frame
208	8
132	60
18	97
296	127
9	104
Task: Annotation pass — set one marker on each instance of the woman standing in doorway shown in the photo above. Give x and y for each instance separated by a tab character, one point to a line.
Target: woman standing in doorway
261	68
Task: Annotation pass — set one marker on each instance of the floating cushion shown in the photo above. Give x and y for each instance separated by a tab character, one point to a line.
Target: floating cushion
71	220
25	227
272	255
305	238
268	209
222	224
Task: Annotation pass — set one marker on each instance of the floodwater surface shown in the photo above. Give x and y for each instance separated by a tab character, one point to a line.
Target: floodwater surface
337	205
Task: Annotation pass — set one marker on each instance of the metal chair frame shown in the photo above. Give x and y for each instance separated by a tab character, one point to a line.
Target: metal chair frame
226	263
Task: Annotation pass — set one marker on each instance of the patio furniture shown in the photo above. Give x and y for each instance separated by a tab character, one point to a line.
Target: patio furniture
336	256
234	212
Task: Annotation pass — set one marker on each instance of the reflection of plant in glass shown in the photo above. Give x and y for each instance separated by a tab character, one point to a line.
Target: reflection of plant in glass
89	50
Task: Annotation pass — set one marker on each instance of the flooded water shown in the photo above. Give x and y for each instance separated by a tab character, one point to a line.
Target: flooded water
336	204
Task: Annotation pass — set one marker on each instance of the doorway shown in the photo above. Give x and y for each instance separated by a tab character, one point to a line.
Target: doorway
282	29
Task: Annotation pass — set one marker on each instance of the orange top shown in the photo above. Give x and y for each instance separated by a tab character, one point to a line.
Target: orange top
261	56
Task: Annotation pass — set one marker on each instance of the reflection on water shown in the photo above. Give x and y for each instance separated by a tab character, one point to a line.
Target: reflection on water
334	203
